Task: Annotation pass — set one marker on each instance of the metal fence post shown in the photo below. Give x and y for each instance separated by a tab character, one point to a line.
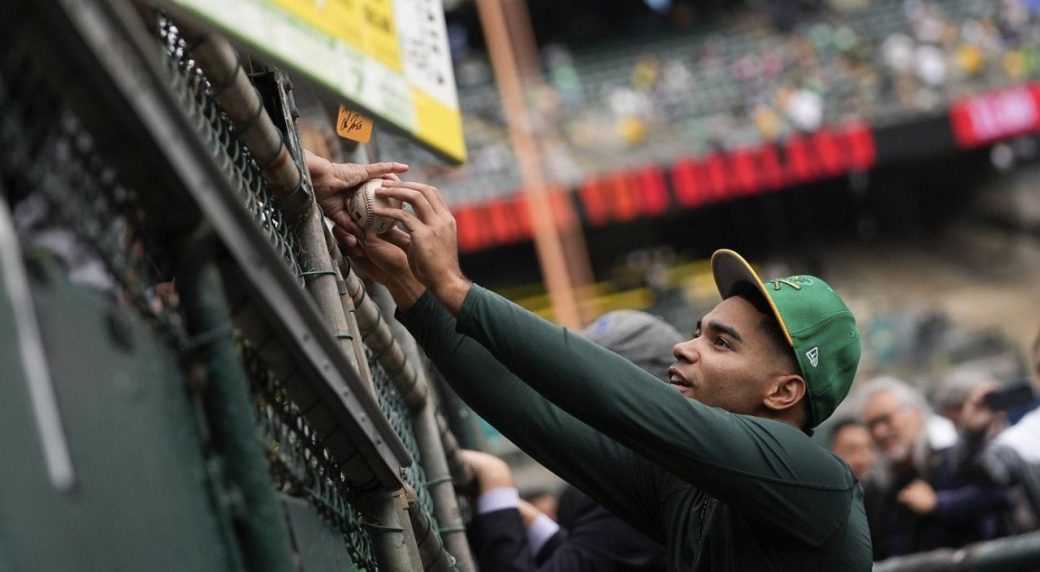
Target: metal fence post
392	538
411	383
265	537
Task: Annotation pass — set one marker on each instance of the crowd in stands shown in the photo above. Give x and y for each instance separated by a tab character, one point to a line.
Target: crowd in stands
947	472
737	81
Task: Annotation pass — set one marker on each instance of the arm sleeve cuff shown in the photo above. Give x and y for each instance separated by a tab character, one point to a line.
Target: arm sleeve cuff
498	499
542	529
420	308
469	307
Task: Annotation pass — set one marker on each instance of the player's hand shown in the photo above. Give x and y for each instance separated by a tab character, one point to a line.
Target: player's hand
334	182
433	250
383	259
490	471
919	497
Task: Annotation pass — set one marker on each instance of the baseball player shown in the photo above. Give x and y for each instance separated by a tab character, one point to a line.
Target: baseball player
716	464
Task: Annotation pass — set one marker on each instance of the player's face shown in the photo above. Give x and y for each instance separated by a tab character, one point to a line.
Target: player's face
729	359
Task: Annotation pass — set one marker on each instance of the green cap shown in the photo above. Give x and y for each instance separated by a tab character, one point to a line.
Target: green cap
816	322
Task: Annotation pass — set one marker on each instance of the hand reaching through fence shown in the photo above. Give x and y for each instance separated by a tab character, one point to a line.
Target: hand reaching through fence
334	182
433	253
383	259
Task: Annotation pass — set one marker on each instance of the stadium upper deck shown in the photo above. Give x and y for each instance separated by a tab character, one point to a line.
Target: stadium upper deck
737	83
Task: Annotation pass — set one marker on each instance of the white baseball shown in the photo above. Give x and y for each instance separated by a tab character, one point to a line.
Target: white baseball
364	200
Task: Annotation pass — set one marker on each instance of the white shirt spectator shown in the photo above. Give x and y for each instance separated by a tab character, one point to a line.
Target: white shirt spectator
805	110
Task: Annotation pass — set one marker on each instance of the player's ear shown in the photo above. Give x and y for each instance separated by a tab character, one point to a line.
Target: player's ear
784	391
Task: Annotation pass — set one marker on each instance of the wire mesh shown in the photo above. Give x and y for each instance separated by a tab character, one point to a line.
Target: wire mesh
298	459
393	407
51	171
196	95
69	203
299	464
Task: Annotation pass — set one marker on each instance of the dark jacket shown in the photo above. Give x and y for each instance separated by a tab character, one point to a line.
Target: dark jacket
721	491
964	513
999	465
590	539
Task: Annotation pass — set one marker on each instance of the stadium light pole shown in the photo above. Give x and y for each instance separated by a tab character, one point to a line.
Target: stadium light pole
572	236
548	244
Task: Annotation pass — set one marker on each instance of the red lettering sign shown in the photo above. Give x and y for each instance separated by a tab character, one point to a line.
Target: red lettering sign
651	190
830	157
593	199
716	183
624	205
743	172
686	183
467	223
859	142
718	176
772	173
995	116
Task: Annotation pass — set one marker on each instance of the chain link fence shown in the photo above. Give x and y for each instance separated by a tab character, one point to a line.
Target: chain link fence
70	204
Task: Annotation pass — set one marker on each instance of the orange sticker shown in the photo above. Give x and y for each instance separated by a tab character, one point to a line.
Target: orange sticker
354	126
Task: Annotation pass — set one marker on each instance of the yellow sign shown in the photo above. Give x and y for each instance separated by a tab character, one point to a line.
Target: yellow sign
388	59
352	125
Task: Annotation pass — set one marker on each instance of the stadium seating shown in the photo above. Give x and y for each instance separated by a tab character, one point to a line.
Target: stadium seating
734	83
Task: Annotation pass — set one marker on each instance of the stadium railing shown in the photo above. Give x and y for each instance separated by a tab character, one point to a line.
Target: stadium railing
1014	553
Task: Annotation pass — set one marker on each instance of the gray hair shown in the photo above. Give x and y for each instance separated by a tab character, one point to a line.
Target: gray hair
954	388
904	392
909	396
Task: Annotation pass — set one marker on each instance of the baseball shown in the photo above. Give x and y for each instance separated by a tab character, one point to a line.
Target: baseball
364	200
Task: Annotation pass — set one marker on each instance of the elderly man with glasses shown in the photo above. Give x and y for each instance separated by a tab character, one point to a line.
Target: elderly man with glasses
917	501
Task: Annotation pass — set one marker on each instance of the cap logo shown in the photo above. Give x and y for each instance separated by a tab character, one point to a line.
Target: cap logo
814	356
795	282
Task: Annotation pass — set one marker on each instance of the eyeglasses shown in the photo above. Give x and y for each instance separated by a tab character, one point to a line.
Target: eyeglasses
884	418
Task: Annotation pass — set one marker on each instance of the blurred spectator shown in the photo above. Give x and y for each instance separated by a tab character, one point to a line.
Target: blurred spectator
1011	458
851	441
544	501
512	535
804	109
646	72
917	501
767	122
953	390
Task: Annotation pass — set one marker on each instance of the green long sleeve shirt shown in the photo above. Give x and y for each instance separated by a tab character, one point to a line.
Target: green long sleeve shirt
722	491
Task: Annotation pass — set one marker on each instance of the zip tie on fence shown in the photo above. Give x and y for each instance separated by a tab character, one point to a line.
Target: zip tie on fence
300	185
252	121
382	527
375	326
438	481
386	349
308	273
362	296
270	160
396	372
195	342
451	529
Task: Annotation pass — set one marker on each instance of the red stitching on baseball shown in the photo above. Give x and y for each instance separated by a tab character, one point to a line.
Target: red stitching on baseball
368	211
